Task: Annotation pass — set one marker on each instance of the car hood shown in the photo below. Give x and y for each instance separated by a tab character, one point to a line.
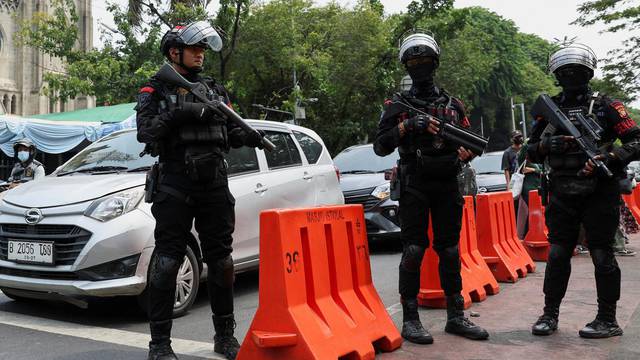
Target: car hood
350	182
490	179
56	191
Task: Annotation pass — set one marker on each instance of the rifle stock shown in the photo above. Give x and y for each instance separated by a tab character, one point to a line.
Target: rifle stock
168	74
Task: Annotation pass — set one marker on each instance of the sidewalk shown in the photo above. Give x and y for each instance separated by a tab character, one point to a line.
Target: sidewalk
509	315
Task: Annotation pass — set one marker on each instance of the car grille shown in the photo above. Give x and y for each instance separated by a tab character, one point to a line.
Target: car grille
69	240
493	188
361	196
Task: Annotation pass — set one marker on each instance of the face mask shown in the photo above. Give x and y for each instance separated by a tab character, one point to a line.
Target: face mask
421	73
573	79
518	140
23	156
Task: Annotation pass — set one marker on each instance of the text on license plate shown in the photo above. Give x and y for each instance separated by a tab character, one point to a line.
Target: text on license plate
31	252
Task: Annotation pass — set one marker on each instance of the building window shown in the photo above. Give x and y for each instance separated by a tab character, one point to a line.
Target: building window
1	41
14	105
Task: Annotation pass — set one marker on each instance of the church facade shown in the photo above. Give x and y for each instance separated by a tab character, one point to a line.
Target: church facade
22	68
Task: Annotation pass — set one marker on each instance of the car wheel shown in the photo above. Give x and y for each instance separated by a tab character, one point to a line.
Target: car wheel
187	285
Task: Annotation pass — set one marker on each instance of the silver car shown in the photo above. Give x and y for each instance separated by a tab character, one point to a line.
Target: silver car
85	230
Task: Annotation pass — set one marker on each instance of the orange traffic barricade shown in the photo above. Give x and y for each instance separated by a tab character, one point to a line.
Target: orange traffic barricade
316	296
497	238
633	202
536	241
477	279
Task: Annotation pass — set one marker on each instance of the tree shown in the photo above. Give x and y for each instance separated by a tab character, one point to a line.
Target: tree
623	66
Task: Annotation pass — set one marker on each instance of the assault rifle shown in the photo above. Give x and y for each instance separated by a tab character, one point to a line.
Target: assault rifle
587	140
448	131
168	74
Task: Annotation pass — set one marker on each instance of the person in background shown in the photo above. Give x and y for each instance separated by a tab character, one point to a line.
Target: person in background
26	167
510	156
532	173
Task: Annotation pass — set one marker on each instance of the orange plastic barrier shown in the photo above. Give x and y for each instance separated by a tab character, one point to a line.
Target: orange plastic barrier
316	296
633	202
497	239
477	280
536	241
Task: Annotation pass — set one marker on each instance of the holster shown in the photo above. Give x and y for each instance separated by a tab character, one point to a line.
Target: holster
396	182
151	183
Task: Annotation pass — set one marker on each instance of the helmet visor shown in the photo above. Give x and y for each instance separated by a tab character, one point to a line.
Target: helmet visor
201	33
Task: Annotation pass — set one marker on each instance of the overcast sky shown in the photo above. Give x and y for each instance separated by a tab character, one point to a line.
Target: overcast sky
548	19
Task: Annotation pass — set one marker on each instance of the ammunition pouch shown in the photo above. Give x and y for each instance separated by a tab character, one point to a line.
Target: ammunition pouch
151	183
443	167
215	133
204	167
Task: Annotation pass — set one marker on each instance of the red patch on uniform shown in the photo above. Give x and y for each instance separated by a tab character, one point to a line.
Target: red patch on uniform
624	126
147	89
178	27
619	107
465	123
388	102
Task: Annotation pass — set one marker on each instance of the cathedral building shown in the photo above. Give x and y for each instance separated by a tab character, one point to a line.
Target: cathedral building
22	68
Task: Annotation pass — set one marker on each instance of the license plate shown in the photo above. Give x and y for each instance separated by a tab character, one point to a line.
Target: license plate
30	252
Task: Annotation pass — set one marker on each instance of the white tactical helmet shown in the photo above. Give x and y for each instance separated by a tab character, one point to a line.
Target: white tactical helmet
573	54
418	44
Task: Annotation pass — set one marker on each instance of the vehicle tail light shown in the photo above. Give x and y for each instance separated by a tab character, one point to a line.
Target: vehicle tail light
337	172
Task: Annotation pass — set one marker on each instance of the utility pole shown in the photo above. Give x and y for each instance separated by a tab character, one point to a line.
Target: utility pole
482	126
524	121
513	117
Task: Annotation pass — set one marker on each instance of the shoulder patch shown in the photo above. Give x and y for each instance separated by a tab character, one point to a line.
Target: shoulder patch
619	107
147	89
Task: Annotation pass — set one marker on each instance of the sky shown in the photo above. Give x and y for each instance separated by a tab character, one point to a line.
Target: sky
548	19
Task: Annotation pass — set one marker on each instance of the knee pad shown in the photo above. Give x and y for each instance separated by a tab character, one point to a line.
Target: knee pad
163	271
221	272
604	261
451	253
412	258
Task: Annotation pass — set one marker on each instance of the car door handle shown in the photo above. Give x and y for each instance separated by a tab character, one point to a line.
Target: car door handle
306	176
260	189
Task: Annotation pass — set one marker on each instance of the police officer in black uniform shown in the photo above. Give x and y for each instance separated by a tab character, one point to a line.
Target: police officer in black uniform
189	182
585	197
428	170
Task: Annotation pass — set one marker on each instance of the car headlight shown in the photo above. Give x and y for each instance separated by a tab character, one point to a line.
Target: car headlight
382	192
114	205
116	269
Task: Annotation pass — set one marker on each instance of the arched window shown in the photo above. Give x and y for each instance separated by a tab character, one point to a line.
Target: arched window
5	102
1	41
14	105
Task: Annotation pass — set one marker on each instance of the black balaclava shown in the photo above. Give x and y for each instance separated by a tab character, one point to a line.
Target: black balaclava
574	80
422	76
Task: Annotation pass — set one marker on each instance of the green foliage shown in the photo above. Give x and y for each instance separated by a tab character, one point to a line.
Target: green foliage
623	66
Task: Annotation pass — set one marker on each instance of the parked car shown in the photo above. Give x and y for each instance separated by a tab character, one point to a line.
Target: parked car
634	167
489	173
85	231
362	179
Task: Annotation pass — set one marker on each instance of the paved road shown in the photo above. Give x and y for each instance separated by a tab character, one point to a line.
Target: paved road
116	330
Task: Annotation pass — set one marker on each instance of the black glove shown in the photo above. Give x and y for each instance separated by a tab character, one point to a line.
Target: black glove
418	123
190	111
254	139
555	144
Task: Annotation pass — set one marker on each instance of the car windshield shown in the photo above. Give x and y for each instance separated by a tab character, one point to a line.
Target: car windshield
114	153
364	160
488	164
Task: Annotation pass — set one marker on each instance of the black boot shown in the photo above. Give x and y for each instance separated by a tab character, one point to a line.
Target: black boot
160	345
412	329
458	324
547	324
224	341
605	324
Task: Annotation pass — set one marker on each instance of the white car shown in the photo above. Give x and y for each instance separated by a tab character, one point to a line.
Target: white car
85	230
